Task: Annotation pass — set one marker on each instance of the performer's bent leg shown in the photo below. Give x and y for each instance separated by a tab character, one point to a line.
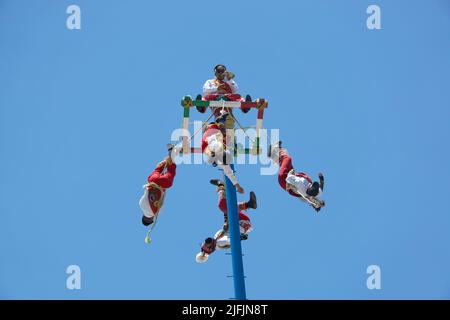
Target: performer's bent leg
285	167
164	180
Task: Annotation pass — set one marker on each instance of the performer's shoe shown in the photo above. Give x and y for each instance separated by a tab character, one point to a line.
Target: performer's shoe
322	180
244	236
200	109
248	98
173	150
216	182
252	202
272	149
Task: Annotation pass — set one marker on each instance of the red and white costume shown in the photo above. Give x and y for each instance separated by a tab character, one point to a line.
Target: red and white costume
244	221
301	181
213	139
211	93
212	86
221	239
158	181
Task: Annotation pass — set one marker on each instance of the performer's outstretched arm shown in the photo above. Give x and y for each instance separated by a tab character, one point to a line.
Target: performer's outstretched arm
229	173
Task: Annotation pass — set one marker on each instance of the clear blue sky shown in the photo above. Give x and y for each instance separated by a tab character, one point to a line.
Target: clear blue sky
85	115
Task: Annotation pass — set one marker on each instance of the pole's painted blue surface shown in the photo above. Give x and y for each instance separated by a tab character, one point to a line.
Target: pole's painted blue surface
235	239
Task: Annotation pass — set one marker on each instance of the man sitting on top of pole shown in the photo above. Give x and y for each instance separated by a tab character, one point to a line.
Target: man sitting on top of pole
223	85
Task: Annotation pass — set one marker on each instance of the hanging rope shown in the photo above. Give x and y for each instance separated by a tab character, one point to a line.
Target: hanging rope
203	126
232	116
180	144
242	128
147	238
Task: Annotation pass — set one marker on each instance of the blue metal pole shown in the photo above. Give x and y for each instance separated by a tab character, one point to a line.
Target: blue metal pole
235	239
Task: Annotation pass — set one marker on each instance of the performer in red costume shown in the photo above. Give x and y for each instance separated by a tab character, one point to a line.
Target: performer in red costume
221	239
214	148
297	184
244	221
155	190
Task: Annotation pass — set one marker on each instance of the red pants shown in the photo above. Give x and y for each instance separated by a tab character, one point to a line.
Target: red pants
229	96
285	167
223	206
209	131
163	180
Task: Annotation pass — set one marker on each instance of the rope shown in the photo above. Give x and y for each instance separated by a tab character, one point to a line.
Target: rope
243	129
229	113
195	133
203	125
147	238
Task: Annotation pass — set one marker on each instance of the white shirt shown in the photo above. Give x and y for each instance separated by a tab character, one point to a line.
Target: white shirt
300	184
145	205
211	86
215	146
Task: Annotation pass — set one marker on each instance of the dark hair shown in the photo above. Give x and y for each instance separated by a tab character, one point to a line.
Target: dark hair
146	221
218	66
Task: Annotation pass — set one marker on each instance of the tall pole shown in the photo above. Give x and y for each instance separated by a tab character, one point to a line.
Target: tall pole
235	239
